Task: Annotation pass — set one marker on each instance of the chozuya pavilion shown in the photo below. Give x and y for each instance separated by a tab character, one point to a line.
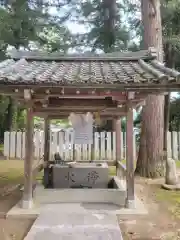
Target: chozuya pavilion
52	86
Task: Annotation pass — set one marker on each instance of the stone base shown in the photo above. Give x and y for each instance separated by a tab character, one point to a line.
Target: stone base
175	187
130	204
27	204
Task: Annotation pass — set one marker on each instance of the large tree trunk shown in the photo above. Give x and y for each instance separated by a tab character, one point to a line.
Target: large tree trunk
150	159
12	115
149	163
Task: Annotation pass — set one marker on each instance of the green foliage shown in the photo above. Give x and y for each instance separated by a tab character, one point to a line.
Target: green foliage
174	118
107	30
63	122
18	24
26	24
55	39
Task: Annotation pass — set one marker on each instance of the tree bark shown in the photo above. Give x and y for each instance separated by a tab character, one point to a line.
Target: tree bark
150	159
12	115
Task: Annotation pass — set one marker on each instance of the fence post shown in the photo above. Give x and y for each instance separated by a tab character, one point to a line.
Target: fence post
96	146
6	144
12	145
102	145
19	145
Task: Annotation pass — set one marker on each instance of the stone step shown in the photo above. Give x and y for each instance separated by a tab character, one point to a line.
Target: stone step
53	224
50	196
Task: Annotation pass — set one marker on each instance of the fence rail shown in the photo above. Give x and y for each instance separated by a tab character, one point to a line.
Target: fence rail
103	147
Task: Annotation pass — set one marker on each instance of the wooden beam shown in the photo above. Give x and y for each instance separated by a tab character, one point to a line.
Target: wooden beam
102	111
130	201
56	114
56	102
150	88
27	201
65	116
67	110
27	94
41	93
117	126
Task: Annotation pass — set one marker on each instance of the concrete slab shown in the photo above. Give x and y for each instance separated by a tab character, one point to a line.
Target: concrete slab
80	200
18	212
52	224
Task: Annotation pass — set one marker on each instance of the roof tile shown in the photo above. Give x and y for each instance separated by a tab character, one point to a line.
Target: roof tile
84	71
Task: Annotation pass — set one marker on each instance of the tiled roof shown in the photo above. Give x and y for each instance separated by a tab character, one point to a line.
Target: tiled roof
127	68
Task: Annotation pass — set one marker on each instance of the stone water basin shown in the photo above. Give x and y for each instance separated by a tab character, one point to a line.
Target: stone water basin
82	183
81	175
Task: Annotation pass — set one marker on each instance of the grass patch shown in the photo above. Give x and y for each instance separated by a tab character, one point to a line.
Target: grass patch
1	149
112	171
40	176
11	171
178	163
172	198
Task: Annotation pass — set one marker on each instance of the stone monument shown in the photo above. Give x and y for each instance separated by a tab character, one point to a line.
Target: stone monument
172	181
83	128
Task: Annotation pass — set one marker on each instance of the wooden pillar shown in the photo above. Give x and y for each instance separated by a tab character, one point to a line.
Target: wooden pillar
130	200
27	201
46	139
117	128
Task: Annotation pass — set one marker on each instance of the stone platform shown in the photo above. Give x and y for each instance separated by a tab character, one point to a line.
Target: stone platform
69	195
53	224
18	212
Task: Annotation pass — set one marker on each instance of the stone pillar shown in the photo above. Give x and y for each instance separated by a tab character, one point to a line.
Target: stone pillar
27	201
130	200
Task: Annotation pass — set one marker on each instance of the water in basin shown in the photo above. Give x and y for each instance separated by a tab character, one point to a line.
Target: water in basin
89	165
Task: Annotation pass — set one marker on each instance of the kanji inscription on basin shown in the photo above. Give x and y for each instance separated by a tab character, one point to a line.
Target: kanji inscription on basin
80	175
92	176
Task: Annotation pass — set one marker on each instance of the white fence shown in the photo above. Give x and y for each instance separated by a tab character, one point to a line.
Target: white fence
103	147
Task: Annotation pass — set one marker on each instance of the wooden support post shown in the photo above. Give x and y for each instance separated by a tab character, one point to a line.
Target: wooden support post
117	128
27	201
46	139
130	200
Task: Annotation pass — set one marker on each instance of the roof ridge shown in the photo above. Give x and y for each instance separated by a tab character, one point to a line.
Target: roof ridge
114	56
